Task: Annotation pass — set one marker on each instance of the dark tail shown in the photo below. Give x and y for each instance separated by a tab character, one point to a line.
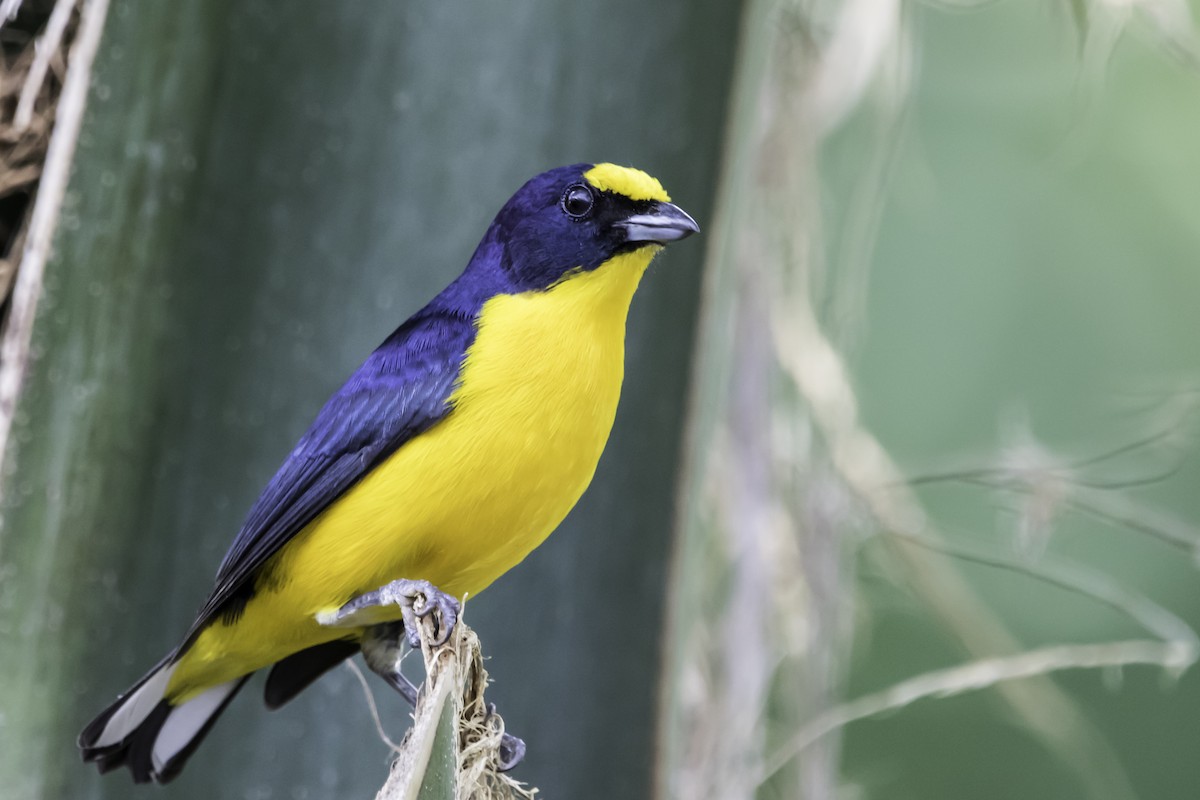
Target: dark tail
146	733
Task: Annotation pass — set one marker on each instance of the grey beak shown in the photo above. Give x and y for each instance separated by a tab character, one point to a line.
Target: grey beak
666	222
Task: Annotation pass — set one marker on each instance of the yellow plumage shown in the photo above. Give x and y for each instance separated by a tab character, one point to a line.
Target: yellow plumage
468	499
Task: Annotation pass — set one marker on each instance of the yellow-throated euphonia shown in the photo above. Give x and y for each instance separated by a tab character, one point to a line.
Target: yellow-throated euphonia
449	455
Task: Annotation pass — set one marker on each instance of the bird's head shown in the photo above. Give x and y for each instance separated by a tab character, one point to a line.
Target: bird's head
575	219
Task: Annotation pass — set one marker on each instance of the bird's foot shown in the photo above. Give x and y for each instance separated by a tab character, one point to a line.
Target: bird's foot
416	599
381	650
512	748
512	752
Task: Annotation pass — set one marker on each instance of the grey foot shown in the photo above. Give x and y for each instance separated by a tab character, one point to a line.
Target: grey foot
364	609
512	752
512	749
381	650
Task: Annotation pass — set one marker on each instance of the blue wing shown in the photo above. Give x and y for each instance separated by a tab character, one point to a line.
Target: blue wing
402	389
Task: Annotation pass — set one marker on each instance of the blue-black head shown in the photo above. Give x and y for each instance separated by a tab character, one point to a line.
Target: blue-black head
576	218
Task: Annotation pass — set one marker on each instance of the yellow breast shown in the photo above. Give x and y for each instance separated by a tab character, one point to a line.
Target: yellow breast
532	413
468	499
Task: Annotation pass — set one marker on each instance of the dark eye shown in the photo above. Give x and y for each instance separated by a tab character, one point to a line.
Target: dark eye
578	201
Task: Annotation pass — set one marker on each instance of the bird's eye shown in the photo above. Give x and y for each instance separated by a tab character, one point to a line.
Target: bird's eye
577	201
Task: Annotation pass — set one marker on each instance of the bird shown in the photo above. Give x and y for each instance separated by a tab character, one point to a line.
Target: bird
449	455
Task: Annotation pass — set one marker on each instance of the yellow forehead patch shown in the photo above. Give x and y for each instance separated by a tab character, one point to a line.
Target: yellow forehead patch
633	183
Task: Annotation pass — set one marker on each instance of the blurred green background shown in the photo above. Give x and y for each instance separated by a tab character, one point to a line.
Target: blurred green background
1035	276
999	222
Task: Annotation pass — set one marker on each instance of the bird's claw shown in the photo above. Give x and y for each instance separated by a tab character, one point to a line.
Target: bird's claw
431	599
447	606
365	609
512	748
512	752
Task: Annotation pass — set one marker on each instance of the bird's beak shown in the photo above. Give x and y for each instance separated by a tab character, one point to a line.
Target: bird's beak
665	222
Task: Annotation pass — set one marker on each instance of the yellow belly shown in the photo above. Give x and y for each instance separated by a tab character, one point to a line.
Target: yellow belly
468	499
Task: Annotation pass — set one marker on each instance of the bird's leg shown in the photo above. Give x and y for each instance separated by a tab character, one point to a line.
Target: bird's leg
365	610
381	650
